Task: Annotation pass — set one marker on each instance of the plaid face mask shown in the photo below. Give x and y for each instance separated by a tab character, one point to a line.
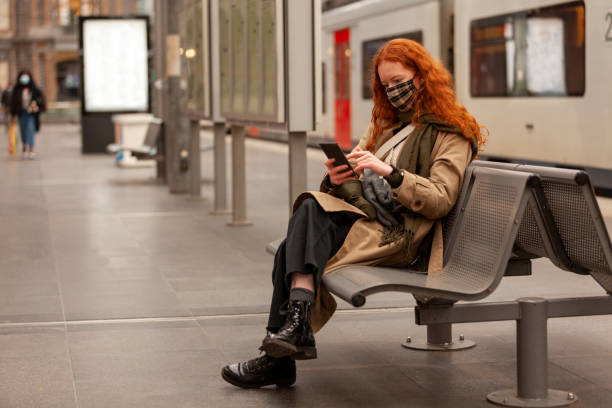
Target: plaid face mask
402	95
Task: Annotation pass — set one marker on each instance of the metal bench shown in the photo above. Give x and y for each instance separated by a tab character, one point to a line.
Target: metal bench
562	222
506	214
148	150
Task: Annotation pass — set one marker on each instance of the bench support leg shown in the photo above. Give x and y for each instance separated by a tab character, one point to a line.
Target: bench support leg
239	208
532	362
195	175
220	173
298	176
439	338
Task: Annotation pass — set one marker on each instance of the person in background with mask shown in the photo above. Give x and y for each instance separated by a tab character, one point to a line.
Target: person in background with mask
410	165
27	102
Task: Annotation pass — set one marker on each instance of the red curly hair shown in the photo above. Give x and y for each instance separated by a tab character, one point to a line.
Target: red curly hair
435	96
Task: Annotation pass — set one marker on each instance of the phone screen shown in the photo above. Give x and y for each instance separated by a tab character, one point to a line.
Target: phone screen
333	151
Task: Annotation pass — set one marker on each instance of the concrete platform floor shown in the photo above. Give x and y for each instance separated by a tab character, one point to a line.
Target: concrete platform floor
114	293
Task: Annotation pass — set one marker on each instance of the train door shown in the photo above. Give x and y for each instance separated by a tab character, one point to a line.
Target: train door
342	80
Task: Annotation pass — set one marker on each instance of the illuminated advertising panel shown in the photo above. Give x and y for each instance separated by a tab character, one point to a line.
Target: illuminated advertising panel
115	64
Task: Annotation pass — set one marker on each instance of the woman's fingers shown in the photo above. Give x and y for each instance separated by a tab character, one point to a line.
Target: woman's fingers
377	166
340	174
338	169
358	153
344	177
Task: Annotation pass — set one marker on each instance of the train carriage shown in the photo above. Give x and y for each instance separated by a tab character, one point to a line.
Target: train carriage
535	72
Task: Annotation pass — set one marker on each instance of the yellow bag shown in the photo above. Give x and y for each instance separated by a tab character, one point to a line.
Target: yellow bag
12	139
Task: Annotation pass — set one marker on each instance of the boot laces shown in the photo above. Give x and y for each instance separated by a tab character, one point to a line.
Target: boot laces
257	363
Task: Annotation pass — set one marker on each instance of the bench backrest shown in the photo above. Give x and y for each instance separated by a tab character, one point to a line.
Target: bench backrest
153	132
568	198
481	232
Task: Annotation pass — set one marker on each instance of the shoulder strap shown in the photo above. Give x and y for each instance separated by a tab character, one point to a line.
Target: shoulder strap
394	141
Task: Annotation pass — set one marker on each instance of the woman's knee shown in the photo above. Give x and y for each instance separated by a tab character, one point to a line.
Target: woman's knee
309	203
308	206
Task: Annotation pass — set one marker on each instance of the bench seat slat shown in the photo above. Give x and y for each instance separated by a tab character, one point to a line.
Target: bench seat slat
354	283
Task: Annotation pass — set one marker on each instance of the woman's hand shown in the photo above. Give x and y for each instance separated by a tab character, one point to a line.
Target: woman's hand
367	160
338	174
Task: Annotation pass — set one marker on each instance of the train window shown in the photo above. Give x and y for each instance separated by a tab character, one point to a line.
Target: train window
369	49
538	52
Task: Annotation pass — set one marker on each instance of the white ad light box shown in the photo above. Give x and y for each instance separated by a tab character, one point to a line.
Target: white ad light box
115	65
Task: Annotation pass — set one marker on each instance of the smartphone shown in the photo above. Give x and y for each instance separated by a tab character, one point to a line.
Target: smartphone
333	151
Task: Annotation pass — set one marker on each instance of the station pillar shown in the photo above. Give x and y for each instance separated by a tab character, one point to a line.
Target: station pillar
181	138
298	175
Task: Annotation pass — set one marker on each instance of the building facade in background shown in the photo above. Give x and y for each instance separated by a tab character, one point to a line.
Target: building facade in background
42	35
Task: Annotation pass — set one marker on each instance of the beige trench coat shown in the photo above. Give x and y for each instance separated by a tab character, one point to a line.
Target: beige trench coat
432	197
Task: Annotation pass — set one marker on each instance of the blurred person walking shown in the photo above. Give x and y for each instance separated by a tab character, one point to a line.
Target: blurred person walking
27	102
9	120
6	104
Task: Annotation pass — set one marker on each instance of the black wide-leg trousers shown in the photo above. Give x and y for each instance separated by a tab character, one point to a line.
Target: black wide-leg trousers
313	237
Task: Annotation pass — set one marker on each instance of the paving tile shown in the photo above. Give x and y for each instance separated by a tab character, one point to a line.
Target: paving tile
27	270
44	381
595	369
115	299
30	301
35	368
144	336
30	342
30	228
145	391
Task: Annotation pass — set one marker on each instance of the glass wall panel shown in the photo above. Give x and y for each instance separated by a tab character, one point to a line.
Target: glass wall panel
268	19
224	51
254	56
238	25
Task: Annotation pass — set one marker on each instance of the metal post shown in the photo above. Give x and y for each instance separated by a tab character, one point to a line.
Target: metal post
159	53
532	362
298	177
220	175
195	171
440	334
238	178
532	349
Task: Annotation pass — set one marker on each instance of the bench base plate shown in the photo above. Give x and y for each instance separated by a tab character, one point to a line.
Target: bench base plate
239	223
455	345
555	398
220	212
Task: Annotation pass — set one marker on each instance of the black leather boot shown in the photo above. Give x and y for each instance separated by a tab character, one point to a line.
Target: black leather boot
295	338
261	371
